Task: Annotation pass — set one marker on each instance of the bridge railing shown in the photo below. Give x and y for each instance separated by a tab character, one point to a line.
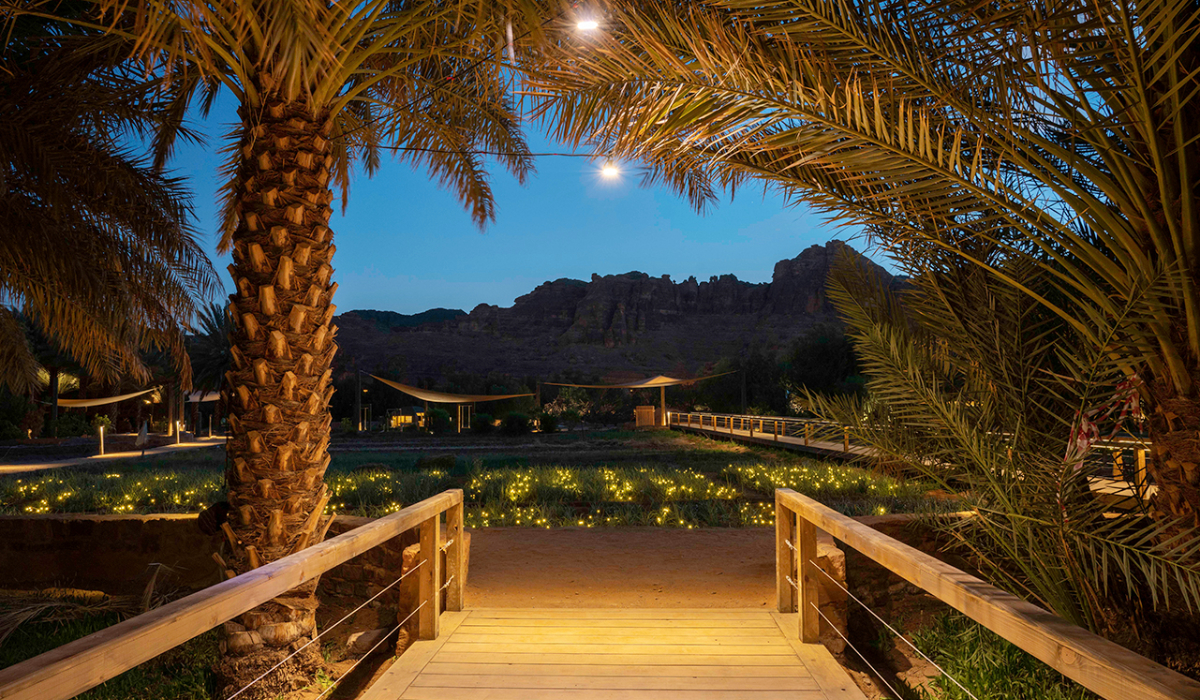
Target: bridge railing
70	669
1123	459
1102	666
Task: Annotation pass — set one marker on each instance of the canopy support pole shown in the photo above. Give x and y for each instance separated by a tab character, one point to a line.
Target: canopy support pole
662	398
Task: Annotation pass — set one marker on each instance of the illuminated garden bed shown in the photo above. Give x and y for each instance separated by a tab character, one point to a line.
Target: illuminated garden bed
676	489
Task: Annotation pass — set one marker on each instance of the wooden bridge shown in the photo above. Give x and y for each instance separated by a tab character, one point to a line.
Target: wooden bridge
594	654
830	441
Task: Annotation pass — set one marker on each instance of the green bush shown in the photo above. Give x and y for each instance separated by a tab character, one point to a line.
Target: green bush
438	421
347	425
515	424
548	422
571	418
9	431
482	423
99	420
73	425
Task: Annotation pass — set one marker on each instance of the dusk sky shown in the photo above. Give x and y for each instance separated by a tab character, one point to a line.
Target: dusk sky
406	245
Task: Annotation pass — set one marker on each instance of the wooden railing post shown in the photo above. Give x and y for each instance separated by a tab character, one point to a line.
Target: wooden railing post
752	427
807	598
455	555
775	429
430	578
785	559
807	433
845	438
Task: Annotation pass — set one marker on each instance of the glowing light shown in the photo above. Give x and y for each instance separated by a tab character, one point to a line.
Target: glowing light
610	171
587	25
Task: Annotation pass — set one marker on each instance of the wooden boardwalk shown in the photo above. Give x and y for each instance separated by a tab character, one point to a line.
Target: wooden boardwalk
1118	493
620	654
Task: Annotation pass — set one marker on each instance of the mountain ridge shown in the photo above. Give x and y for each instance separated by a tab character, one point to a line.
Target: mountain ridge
611	325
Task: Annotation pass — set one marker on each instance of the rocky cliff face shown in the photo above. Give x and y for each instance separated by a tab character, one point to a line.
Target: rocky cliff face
615	323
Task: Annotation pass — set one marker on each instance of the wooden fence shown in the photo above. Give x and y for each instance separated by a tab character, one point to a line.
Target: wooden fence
1106	668
68	670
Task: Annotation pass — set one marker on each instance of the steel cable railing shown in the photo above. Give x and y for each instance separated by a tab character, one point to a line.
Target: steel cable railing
327	630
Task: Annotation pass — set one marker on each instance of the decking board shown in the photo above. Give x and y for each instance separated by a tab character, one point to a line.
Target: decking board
594	654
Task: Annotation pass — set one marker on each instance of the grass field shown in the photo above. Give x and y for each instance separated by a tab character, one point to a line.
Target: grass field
597	479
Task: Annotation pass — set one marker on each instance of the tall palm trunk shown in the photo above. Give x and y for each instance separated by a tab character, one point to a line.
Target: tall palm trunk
279	387
1175	452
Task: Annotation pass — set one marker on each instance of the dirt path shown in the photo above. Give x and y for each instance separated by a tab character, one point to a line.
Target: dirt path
621	567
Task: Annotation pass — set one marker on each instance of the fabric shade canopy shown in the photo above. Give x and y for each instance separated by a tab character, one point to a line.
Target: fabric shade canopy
203	396
439	397
652	383
86	403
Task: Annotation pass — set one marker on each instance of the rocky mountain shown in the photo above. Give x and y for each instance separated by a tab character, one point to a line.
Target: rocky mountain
616	325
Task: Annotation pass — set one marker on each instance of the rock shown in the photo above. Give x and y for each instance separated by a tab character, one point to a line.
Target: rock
362	642
597	323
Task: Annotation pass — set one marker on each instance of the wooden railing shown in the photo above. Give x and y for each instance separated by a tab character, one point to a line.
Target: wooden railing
85	663
832	437
1103	667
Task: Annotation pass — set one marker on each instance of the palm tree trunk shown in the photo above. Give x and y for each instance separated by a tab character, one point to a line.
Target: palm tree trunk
279	387
1175	453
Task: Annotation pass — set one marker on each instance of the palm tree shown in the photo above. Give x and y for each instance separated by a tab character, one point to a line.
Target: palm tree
319	85
1064	134
209	351
98	255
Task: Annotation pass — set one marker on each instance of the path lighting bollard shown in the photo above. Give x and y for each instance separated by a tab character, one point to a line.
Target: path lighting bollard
101	432
1140	475
178	430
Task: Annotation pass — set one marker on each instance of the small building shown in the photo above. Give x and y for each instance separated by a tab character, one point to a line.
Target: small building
408	416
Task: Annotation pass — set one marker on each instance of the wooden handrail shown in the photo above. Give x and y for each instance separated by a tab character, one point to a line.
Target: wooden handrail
1099	665
70	669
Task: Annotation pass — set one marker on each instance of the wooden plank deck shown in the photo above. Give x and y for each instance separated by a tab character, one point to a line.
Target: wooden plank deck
619	654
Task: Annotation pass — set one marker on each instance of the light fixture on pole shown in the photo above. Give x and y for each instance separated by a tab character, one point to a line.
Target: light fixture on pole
587	25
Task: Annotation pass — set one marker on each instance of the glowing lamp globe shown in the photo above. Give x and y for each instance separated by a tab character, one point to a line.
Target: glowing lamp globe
587	25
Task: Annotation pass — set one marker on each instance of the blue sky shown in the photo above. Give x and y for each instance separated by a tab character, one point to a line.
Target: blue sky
405	245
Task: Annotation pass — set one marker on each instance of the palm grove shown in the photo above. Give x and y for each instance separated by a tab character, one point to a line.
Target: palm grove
1036	160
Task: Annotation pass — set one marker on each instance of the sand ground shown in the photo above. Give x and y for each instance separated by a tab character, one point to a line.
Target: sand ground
621	568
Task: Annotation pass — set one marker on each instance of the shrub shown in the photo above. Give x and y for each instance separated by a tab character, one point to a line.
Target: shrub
482	423
437	420
548	422
73	425
515	424
347	425
10	431
101	419
571	417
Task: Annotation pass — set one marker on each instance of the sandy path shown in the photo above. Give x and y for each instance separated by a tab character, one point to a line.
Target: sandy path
621	568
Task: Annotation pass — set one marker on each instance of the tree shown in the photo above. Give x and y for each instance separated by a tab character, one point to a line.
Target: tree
98	253
209	351
1064	134
320	86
